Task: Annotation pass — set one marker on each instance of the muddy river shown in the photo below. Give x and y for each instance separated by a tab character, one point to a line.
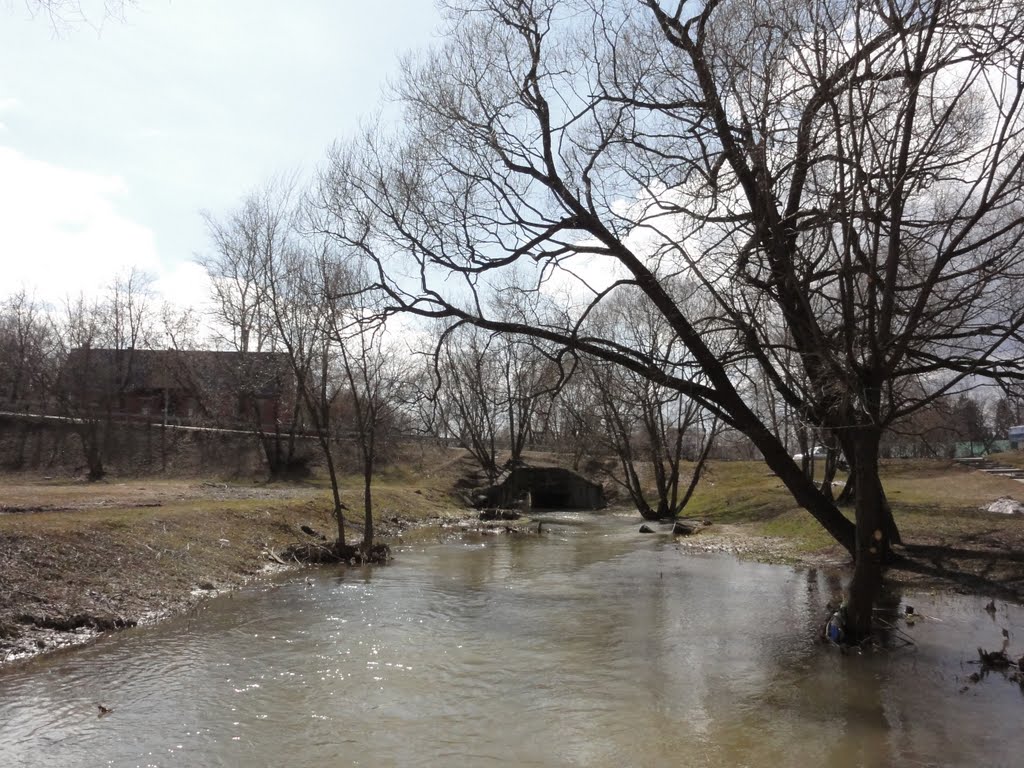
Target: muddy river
590	645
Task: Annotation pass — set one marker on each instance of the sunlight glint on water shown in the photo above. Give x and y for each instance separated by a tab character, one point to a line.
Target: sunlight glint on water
588	646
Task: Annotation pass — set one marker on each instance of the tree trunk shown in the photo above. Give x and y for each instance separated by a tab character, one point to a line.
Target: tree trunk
645	510
873	535
888	522
271	454
889	527
829	473
698	470
367	505
847	495
91	439
339	508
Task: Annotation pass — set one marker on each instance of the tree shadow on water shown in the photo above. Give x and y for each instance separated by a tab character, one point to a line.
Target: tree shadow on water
986	570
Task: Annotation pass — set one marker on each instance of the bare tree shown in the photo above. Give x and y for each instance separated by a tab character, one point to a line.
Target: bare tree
465	393
849	171
572	423
1008	412
25	351
969	424
98	341
242	242
250	242
374	372
346	375
489	392
301	295
645	423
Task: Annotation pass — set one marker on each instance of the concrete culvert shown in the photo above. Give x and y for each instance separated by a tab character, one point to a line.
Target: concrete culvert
548	488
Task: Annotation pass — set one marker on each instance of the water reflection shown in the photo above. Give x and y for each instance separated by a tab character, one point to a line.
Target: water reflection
588	646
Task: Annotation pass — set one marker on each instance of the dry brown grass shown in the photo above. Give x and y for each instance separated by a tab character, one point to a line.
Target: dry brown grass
126	550
951	542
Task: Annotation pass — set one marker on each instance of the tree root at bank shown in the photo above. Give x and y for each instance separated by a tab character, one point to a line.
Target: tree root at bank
325	553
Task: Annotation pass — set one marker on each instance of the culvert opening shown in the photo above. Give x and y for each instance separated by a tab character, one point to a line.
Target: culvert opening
549	488
549	498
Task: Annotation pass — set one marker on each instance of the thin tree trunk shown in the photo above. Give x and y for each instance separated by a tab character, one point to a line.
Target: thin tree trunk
698	469
829	473
91	439
367	504
847	495
338	506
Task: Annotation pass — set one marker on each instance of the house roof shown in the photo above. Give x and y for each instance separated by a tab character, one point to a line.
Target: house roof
259	373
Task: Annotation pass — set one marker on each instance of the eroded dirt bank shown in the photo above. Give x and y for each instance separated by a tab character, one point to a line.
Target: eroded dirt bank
78	559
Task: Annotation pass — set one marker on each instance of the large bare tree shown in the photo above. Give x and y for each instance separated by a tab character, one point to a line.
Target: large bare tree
848	171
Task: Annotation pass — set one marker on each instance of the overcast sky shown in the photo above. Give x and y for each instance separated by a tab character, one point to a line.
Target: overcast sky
112	140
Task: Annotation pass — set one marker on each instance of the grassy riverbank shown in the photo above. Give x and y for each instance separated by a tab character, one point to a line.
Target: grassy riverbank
77	558
951	542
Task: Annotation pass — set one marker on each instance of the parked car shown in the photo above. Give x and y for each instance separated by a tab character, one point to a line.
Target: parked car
818	452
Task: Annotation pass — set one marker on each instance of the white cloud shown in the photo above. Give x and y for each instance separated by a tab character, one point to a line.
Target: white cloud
7	104
61	231
185	284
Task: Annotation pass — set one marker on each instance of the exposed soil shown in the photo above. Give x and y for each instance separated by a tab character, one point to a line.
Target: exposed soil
78	559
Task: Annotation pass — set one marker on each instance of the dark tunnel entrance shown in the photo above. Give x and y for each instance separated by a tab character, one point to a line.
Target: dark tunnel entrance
552	498
549	488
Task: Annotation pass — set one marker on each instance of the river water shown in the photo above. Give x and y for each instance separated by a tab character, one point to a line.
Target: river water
590	645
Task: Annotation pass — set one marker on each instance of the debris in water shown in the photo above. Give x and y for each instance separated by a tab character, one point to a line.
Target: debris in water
993	659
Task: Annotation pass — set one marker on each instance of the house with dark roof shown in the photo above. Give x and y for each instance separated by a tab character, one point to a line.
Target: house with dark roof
198	387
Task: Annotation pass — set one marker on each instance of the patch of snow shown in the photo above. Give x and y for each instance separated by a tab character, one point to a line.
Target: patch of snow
1006	506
